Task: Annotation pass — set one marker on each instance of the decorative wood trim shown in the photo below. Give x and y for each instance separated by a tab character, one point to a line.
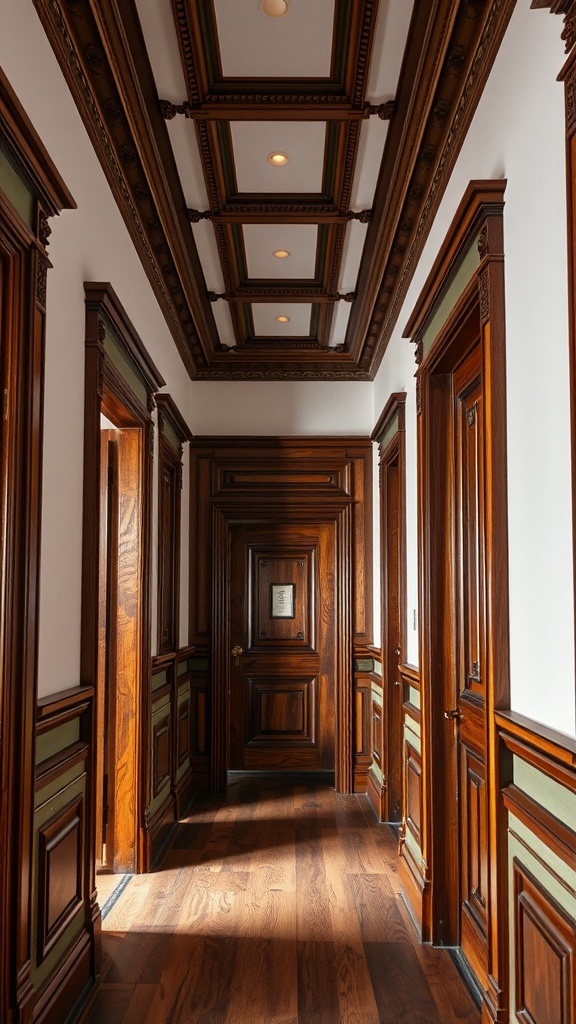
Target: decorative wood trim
393	585
546	826
64	847
448	59
106	391
102	59
410	675
549	751
396	404
480	213
22	326
545	953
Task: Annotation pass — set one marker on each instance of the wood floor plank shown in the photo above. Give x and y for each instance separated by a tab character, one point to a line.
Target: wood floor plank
314	922
277	903
400	986
378	913
317	995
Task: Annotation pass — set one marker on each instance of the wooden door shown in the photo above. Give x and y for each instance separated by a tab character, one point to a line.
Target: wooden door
282	639
392	490
469	710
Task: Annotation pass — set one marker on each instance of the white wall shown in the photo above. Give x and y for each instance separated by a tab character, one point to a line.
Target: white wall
90	243
518	133
282	407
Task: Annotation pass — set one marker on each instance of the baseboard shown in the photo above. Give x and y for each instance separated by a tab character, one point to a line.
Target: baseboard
376	795
415	890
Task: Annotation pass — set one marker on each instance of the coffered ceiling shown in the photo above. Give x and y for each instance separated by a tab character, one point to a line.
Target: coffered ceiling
277	162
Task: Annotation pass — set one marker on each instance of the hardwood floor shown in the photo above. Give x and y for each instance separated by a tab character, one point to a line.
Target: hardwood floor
276	904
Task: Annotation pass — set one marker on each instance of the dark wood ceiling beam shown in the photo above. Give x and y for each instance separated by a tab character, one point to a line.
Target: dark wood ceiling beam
283	294
285	108
101	52
285	214
449	55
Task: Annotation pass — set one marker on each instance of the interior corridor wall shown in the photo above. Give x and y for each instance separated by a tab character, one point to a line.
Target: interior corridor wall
87	244
518	134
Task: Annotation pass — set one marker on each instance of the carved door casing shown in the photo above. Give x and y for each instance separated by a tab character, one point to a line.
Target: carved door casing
470	659
282	703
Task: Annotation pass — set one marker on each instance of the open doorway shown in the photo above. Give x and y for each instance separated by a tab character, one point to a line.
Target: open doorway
120	382
118	635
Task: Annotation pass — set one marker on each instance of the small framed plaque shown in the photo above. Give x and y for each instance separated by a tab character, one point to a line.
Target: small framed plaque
282	600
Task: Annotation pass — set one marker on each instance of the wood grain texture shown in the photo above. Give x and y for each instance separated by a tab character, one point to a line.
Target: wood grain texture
276	904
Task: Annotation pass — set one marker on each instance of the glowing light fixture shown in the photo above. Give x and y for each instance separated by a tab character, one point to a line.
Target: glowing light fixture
278	159
274	8
283	319
280	254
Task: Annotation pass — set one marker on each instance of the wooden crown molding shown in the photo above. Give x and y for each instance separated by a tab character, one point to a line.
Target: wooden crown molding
450	51
567	8
395	404
125	128
101	300
170	410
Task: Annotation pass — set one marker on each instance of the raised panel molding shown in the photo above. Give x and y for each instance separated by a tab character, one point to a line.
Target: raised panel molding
286	708
413	791
545	952
60	874
161	739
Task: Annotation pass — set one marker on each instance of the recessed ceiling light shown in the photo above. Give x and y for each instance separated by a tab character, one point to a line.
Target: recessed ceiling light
278	159
283	319
280	254
274	8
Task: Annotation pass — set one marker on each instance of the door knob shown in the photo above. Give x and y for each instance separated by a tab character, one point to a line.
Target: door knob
397	651
237	651
453	714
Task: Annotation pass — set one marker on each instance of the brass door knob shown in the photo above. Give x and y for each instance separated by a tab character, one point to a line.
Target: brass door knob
452	715
237	651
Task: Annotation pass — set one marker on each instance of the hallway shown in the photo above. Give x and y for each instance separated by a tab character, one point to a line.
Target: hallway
276	904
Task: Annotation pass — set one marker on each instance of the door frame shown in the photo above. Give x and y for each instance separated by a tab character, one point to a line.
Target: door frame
390	435
467	281
27	202
120	381
224	519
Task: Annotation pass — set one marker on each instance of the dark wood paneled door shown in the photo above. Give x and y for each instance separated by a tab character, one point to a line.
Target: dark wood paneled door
282	646
393	564
469	710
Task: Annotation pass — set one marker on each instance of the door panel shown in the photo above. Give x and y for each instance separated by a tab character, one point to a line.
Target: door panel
282	708
470	705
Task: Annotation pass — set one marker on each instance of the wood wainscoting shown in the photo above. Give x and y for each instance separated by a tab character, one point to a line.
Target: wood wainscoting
65	914
366	727
174	732
540	799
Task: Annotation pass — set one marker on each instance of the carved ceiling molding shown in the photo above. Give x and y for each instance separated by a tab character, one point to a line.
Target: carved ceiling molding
469	51
567	8
82	38
452	52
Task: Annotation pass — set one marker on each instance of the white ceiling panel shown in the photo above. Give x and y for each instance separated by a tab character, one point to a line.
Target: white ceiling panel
157	24
300	240
340	320
255	46
224	325
189	163
302	141
208	253
265	324
390	39
372	140
353	243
